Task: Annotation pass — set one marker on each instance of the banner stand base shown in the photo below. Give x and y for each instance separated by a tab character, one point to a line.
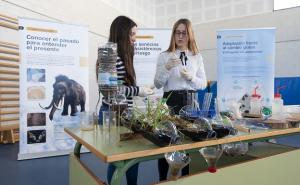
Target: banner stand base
47	154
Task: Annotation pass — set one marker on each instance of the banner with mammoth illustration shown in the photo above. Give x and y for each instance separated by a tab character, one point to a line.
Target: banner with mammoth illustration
54	85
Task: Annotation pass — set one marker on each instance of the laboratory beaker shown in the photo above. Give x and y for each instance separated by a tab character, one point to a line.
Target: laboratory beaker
109	119
86	121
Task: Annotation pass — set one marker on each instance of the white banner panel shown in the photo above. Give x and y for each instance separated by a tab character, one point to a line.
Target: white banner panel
53	85
149	44
245	61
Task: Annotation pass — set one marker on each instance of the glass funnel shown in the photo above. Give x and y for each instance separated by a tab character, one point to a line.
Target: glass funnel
211	155
176	161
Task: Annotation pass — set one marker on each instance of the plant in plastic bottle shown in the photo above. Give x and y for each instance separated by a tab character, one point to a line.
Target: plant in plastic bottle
153	114
153	123
148	118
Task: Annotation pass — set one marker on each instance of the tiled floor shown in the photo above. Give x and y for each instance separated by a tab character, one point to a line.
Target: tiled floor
54	170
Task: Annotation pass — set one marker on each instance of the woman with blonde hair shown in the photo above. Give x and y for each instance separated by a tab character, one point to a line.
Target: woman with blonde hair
180	72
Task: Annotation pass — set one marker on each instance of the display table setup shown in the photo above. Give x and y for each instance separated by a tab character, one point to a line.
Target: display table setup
106	145
275	170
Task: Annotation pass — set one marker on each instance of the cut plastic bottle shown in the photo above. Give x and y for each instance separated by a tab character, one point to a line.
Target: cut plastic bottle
211	155
176	161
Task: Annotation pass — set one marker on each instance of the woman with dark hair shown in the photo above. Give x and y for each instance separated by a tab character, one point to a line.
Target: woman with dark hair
123	33
180	71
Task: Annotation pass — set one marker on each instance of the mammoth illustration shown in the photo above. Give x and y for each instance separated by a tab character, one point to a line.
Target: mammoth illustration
67	92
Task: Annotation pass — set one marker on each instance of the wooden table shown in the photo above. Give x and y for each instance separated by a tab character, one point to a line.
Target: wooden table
105	144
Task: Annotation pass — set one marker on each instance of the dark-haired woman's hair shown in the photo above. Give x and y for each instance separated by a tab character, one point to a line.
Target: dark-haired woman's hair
120	31
191	38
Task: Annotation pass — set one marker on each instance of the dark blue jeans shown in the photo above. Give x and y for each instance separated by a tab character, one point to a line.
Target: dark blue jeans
132	172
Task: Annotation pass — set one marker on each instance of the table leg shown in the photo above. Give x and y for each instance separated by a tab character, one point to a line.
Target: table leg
123	166
77	149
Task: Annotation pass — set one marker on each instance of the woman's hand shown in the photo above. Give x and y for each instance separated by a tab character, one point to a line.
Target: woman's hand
145	91
172	62
186	74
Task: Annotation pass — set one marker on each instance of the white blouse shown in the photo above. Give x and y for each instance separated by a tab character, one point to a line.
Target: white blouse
172	79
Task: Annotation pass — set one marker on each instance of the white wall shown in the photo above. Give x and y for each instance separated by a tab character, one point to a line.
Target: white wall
286	21
142	10
200	11
98	14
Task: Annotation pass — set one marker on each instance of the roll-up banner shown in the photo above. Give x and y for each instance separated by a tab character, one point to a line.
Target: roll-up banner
245	63
54	85
149	44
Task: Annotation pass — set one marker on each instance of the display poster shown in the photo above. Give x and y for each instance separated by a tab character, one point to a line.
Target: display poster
149	44
53	85
245	62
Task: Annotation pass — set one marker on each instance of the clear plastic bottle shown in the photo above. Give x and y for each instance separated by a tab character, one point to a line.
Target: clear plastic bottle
107	71
255	103
277	106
